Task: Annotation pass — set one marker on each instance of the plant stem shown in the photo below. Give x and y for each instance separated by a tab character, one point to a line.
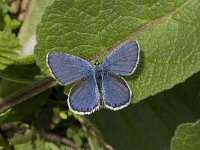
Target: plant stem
25	93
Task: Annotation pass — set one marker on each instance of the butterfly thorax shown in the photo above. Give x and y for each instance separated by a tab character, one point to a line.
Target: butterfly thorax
98	76
98	72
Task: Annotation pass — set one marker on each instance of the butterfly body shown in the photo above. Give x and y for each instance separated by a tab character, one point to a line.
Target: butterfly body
96	85
98	71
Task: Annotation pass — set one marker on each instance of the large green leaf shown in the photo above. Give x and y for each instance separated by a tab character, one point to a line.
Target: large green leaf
9	48
167	31
187	137
150	124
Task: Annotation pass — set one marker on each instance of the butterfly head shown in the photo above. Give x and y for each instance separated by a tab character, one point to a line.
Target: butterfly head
96	63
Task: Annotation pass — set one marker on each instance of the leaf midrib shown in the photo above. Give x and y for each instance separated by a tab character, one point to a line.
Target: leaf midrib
145	27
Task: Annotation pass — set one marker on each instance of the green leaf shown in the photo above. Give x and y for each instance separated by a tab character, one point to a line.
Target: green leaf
94	143
27	108
21	73
24	146
187	137
43	144
22	110
10	24
8	87
150	124
21	139
6	22
9	48
4	8
4	115
38	143
167	31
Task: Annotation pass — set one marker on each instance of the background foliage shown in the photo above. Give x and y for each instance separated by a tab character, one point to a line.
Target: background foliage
169	37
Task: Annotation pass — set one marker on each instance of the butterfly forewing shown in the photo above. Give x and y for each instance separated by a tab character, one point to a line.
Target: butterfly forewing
84	96
123	60
116	93
66	68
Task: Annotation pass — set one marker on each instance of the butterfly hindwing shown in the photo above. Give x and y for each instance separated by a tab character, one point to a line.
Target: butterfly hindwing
84	96
123	60
115	91
66	68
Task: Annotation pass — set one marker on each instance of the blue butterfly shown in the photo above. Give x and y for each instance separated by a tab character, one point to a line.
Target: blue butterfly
97	85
